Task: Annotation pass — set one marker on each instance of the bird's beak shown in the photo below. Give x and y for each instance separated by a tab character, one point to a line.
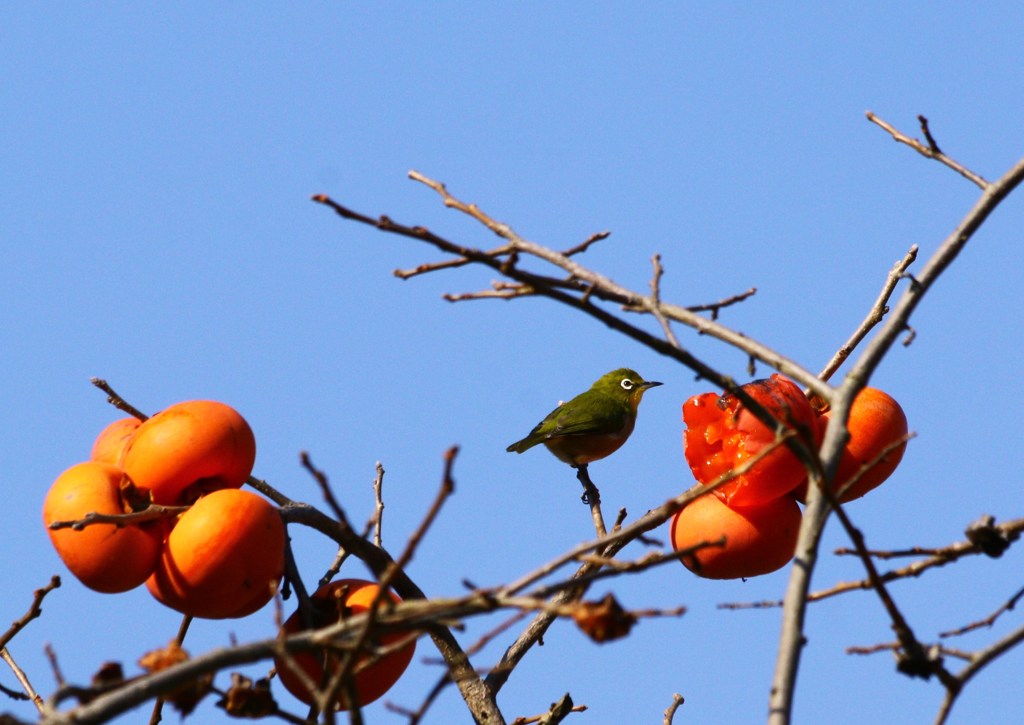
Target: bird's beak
651	384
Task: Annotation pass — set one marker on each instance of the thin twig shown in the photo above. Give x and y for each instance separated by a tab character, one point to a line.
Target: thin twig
875	315
715	307
378	496
154	512
979	661
1009	530
116	400
670	712
585	244
931	150
988	621
666	327
34	610
932	145
323	483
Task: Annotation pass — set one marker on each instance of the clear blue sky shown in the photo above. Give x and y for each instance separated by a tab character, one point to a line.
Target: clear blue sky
156	228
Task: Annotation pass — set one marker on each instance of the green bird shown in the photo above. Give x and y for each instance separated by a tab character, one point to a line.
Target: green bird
592	425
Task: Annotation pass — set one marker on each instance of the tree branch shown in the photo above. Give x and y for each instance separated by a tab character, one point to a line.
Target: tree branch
816	513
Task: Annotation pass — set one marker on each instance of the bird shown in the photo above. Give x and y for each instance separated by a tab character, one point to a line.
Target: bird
593	425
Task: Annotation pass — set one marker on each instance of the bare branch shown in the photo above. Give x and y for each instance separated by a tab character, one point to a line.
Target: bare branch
932	145
153	512
715	307
34	610
914	659
979	661
988	621
936	557
874	316
378	518
590	284
585	244
931	150
116	400
558	712
818	508
670	712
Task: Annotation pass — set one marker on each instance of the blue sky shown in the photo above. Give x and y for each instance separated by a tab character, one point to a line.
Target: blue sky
157	165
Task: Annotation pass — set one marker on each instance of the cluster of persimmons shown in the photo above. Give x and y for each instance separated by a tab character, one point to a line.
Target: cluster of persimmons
220	555
756	512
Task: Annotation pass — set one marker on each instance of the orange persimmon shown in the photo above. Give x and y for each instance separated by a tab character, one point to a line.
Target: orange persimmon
104	557
721	434
339	599
878	439
110	443
223	558
758	539
189	449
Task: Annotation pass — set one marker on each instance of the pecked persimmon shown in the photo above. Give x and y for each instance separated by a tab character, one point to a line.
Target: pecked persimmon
110	443
189	449
758	539
104	557
878	439
721	434
223	558
331	602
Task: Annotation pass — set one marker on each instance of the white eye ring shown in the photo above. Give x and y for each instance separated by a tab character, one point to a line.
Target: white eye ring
626	384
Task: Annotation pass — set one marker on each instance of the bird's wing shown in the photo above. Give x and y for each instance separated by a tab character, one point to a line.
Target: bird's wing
604	414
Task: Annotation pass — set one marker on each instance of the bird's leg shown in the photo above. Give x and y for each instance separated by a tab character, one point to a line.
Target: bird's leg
591	497
590	493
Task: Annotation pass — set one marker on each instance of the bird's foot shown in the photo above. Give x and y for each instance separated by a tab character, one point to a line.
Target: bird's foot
591	496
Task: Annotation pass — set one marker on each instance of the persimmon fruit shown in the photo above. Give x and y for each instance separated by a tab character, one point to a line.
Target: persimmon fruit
721	435
223	558
878	440
343	598
758	539
104	557
189	449
110	443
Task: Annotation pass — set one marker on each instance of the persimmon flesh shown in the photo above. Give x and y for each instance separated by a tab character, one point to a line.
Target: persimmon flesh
721	435
878	439
758	539
343	598
223	558
104	557
189	449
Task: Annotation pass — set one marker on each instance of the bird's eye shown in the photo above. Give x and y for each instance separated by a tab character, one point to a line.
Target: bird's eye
626	384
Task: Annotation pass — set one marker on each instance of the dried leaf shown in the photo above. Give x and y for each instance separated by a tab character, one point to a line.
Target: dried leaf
161	659
248	699
603	621
108	675
184	698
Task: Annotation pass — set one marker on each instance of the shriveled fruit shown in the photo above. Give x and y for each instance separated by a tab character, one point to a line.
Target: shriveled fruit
104	557
721	435
878	439
343	598
758	539
110	443
189	449
223	558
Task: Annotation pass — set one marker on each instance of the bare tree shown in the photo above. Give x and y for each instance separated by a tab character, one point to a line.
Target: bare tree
528	269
